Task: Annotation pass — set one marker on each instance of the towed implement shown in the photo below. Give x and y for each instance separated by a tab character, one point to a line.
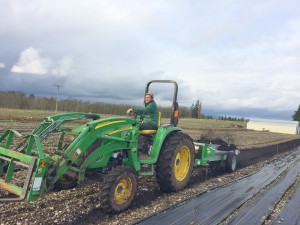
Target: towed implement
107	150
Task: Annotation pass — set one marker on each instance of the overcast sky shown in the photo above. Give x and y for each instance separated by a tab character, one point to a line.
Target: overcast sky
239	58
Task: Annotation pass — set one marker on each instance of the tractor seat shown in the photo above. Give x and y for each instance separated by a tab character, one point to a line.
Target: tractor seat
146	132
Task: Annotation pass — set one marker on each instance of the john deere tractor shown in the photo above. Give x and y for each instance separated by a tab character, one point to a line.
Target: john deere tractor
103	149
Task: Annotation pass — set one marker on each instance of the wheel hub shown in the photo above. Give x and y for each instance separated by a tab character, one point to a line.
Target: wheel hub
182	163
123	190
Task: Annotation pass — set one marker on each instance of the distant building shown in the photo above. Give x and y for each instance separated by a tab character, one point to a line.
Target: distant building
278	126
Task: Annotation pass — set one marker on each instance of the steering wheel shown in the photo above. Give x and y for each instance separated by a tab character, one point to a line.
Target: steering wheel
134	115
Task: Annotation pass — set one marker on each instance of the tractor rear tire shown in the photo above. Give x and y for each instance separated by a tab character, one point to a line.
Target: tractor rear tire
175	162
119	189
66	182
231	162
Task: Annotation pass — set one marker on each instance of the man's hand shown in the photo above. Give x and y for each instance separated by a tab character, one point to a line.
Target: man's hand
129	111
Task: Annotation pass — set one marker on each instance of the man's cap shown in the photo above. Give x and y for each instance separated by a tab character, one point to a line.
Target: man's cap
151	94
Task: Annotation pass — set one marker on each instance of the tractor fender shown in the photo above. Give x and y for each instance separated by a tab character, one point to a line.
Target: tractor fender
162	133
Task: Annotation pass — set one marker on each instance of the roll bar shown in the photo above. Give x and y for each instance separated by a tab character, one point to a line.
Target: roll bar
175	106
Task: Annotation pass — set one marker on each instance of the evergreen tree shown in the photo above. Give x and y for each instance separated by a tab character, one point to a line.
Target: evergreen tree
196	110
296	116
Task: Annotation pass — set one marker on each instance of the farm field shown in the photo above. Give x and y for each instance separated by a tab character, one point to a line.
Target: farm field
80	205
231	131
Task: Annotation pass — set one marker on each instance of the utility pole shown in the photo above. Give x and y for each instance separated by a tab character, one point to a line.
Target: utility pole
58	86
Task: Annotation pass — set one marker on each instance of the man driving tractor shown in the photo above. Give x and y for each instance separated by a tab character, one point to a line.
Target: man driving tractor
149	113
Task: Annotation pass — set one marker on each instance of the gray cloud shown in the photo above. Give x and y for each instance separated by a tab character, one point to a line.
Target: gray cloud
233	56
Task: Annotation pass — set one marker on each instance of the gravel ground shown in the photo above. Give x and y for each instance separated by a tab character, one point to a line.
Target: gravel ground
81	205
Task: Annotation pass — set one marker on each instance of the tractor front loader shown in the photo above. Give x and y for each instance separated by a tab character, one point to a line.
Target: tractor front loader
107	150
43	170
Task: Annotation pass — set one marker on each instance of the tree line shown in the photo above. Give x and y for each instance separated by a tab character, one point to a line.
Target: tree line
19	100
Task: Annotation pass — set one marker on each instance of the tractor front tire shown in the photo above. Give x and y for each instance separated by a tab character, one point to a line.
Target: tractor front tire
66	182
119	189
175	162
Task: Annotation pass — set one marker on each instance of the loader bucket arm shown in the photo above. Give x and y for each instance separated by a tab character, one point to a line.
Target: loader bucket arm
51	123
29	157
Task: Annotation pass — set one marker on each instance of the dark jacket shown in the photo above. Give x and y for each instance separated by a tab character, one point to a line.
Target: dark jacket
149	113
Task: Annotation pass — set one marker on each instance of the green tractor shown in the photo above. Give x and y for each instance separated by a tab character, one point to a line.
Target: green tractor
106	150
